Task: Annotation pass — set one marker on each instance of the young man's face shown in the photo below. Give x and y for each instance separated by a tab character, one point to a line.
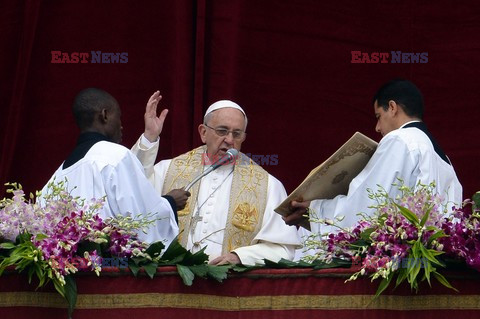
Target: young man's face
385	119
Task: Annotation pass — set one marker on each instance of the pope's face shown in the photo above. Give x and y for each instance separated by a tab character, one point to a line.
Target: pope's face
229	119
385	119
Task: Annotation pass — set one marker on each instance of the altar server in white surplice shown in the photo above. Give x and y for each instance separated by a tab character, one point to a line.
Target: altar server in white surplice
99	166
230	211
407	151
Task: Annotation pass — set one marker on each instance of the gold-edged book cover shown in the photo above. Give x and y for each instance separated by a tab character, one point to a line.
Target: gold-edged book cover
332	177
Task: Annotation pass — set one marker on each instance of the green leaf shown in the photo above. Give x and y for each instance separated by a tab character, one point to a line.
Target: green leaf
414	264
199	270
138	260
436	252
176	260
360	243
151	269
186	274
476	200
70	294
413	272
242	268
219	273
22	238
155	249
425	217
173	251
435	236
40	275
282	263
30	272
88	246
7	245
196	259
59	287
416	249
40	236
427	269
383	285
428	254
134	267
335	263
441	279
365	235
412	218
402	275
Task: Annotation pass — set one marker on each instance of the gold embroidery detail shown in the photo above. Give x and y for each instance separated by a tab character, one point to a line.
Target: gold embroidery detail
248	200
248	197
243	303
245	217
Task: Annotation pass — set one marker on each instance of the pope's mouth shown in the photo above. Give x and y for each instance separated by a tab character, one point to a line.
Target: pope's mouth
222	151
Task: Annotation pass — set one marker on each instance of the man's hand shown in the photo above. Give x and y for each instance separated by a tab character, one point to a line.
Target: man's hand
180	196
154	123
230	258
298	211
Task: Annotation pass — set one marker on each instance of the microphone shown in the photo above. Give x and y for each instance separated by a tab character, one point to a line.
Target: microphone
227	158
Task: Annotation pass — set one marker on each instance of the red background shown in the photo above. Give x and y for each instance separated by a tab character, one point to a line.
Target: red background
288	63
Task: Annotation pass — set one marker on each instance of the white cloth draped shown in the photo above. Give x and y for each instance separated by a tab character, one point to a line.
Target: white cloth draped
111	170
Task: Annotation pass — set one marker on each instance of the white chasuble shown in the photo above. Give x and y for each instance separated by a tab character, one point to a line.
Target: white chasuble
245	184
236	204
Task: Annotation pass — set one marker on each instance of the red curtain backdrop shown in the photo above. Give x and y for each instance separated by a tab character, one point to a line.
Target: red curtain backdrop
288	63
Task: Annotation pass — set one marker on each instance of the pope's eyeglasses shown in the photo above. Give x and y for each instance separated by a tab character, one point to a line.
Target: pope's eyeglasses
220	131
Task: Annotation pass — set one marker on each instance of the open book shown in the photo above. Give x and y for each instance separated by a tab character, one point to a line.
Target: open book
332	177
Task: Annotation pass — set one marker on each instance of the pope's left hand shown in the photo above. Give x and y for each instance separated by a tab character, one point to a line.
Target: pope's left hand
230	258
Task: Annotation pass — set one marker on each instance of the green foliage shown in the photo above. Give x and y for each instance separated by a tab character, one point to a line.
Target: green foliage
188	265
476	201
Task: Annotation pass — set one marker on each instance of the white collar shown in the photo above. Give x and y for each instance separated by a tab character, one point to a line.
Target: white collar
414	121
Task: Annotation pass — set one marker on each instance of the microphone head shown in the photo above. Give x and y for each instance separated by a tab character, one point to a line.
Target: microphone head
232	152
226	159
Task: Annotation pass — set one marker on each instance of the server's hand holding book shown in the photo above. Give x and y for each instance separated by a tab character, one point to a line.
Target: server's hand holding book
332	177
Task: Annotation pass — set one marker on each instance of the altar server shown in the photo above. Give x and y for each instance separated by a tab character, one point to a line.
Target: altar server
407	151
100	167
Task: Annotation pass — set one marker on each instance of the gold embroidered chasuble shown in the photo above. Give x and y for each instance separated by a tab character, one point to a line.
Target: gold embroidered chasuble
248	197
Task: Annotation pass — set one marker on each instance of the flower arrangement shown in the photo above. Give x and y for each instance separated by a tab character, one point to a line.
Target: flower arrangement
56	235
406	238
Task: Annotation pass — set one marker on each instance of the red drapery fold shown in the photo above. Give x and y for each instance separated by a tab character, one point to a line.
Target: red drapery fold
13	114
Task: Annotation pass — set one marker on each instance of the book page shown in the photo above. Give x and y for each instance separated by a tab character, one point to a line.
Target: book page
332	177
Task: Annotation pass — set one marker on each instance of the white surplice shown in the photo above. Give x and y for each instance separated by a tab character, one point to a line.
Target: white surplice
274	241
112	170
405	153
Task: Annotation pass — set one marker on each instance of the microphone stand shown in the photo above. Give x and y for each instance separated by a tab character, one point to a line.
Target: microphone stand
229	156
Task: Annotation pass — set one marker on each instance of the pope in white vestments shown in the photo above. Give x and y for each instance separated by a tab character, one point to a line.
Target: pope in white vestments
99	168
231	210
407	151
